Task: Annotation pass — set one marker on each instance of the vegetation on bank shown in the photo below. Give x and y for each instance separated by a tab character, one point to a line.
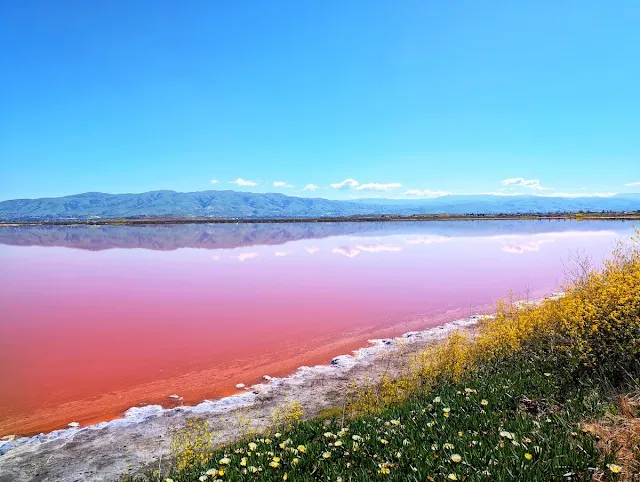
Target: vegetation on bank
144	220
538	392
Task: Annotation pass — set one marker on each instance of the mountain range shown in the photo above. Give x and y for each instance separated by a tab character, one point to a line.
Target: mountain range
240	205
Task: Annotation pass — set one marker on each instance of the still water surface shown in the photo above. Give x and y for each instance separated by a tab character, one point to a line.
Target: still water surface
94	320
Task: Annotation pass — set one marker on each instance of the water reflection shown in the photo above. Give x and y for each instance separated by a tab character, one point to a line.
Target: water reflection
98	319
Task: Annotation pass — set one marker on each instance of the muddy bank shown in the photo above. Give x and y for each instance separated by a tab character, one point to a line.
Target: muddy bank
104	451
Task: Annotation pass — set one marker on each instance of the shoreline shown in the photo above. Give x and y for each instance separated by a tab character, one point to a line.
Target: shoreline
587	216
106	450
213	382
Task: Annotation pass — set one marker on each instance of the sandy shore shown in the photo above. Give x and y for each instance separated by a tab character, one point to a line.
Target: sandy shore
104	451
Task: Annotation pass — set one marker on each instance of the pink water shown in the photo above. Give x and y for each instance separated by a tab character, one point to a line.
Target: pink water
94	320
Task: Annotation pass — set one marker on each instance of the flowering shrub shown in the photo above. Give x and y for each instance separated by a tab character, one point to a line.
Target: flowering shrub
504	402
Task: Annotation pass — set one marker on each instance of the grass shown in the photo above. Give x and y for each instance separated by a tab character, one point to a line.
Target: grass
509	420
533	395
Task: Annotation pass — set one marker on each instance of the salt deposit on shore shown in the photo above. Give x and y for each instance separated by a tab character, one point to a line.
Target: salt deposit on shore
104	451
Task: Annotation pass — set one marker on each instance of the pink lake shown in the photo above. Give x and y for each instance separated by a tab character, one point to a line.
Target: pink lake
94	320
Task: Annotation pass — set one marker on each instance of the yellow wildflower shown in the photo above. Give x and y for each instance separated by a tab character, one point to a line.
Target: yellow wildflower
302	448
252	446
452	477
326	455
528	456
616	469
224	461
484	402
456	458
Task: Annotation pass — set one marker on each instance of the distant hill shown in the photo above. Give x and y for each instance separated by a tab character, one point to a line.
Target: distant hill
233	204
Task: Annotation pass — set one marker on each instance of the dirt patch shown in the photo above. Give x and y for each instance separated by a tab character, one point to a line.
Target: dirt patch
619	435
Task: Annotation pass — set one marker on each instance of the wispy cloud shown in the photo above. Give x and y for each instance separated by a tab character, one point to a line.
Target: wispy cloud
379	248
376	186
246	256
312	250
633	184
370	186
519	243
310	187
215	258
346	251
214	181
425	193
346	184
243	182
281	184
281	254
522	182
427	239
530	247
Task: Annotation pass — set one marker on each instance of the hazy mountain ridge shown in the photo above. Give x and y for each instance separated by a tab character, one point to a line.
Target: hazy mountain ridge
233	204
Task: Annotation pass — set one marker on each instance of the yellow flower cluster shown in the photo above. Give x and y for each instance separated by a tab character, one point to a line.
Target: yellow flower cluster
597	318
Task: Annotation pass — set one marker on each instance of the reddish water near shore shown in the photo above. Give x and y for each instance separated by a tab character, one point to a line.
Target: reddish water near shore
94	320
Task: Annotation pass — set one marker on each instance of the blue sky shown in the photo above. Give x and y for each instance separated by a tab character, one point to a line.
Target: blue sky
406	98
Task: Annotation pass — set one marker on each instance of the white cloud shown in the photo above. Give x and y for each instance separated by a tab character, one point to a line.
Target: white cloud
280	254
310	187
522	182
246	256
215	258
346	184
427	239
533	246
214	181
379	248
425	193
370	186
375	186
243	182
519	243
346	251
281	184
633	184
312	250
